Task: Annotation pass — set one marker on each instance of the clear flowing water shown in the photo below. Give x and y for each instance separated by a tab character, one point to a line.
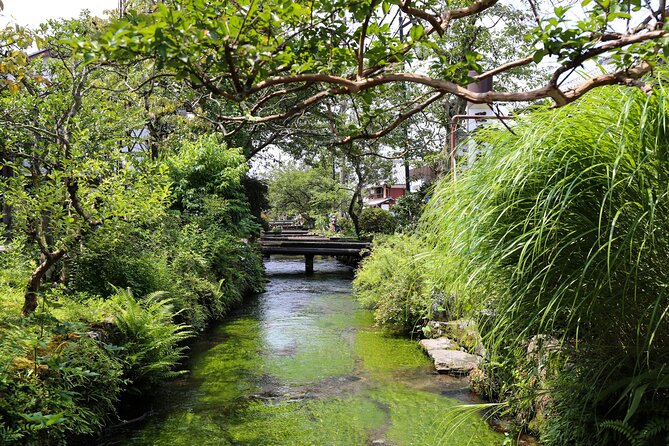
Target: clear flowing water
303	364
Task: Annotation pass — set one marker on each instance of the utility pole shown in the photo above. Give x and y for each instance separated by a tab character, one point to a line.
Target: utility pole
407	179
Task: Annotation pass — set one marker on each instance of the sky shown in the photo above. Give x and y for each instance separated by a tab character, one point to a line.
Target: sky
33	12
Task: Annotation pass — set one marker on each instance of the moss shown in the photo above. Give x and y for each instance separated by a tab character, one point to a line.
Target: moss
424	418
346	421
385	354
11	302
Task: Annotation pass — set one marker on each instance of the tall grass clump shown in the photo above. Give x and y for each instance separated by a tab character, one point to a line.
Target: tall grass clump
557	241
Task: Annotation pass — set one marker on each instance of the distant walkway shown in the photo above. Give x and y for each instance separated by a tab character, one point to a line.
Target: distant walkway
299	242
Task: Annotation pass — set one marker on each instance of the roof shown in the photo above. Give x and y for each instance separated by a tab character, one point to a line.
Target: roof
378	201
391	186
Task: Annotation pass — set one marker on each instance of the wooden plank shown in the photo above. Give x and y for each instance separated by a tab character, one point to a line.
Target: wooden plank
292	239
315	251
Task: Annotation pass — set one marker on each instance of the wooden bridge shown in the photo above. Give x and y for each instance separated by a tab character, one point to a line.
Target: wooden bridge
299	242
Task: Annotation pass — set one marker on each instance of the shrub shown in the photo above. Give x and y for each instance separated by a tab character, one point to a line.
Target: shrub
376	221
133	259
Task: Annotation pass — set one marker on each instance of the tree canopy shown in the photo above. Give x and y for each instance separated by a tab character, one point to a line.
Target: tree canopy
310	193
273	59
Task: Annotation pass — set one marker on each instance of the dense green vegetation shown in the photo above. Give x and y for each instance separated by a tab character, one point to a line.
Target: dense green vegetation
311	195
127	225
554	242
118	246
64	367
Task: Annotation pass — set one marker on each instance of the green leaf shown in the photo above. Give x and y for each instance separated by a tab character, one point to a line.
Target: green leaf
539	55
416	32
54	419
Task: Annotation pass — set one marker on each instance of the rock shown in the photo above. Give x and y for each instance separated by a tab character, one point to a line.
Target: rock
454	361
439	344
448	358
465	333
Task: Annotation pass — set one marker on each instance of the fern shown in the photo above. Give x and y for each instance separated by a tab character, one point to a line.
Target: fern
632	435
654	427
151	338
636	437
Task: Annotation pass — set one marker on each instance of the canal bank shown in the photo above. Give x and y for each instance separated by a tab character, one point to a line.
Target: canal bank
302	364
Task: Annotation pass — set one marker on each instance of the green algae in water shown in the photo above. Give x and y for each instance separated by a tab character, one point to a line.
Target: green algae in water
183	428
340	313
227	372
319	348
345	321
314	359
345	422
422	418
383	354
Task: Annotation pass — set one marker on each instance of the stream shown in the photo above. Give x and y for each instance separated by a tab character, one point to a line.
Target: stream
303	364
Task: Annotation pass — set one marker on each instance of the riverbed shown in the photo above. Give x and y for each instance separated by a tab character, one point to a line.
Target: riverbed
303	364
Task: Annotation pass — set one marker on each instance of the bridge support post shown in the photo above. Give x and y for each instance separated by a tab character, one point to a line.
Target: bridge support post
309	264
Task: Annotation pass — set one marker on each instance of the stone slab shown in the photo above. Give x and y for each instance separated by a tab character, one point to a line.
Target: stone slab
454	361
439	344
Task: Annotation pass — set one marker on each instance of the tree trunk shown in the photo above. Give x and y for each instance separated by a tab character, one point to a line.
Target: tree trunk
407	176
6	172
35	281
352	213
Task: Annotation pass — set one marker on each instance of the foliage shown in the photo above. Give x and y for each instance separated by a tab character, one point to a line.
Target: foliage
558	231
64	175
408	209
197	254
341	48
63	369
309	192
207	179
57	379
394	282
106	187
377	221
148	336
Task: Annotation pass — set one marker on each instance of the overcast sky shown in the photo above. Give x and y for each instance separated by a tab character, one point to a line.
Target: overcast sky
33	12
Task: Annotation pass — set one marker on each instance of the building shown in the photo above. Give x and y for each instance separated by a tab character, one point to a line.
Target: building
383	196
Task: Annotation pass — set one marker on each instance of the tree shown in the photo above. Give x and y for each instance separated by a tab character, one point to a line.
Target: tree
275	59
309	192
207	184
67	141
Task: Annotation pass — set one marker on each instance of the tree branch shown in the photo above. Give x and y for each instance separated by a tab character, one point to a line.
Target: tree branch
361	43
400	119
